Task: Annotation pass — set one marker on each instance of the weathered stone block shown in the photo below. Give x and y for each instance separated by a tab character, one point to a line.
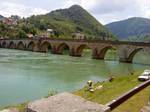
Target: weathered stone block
10	110
65	102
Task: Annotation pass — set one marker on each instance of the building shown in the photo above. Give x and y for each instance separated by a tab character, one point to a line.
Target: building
49	32
79	36
9	21
30	35
13	20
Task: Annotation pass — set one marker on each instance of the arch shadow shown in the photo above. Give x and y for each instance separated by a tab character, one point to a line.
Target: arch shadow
102	54
81	48
63	48
4	44
12	45
132	54
109	53
30	46
20	46
46	47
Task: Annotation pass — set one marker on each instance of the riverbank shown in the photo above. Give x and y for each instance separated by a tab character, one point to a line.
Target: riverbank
112	90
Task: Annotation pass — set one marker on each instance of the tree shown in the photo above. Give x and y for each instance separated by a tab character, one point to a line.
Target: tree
56	33
21	34
33	31
29	29
103	35
79	29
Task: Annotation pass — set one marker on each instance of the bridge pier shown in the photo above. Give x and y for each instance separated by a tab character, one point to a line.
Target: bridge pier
74	53
98	54
33	46
55	50
36	48
125	60
97	57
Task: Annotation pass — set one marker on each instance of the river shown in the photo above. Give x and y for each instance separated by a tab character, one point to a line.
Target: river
26	76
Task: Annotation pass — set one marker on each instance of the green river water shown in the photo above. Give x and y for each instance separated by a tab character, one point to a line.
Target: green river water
26	76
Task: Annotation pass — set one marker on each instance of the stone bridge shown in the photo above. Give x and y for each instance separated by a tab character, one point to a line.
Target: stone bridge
126	50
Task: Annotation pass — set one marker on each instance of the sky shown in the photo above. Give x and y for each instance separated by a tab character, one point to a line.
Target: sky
105	11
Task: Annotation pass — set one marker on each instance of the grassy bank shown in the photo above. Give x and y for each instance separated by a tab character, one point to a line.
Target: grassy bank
117	87
21	107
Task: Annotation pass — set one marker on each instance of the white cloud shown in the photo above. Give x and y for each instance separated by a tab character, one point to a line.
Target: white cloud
37	11
9	8
104	10
144	7
114	10
69	3
88	4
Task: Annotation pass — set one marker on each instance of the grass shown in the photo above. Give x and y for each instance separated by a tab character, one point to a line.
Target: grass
117	87
51	93
20	107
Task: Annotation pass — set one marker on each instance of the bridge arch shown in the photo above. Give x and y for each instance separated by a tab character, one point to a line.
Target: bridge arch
62	47
80	49
11	45
4	44
20	45
132	54
31	46
46	46
104	51
101	53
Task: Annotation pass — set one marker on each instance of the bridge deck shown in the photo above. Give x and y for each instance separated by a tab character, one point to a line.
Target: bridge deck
115	42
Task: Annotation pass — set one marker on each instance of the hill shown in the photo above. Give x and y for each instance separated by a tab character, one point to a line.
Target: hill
65	22
132	27
143	38
1	17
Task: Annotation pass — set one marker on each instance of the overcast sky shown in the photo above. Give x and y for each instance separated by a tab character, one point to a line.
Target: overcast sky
105	11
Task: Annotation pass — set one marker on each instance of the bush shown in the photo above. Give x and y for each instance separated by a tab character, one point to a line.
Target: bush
21	34
51	93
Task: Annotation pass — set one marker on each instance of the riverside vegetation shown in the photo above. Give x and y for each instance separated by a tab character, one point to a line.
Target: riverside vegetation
114	89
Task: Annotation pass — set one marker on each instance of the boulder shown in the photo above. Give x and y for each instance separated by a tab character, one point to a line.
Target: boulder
65	102
10	110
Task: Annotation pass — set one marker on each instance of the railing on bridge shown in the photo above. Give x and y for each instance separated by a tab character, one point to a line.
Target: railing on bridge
115	103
